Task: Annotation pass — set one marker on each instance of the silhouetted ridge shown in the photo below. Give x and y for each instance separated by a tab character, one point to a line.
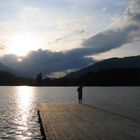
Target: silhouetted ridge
112	63
13	71
3	67
7	78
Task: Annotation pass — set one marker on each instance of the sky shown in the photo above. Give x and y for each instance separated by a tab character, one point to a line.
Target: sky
73	33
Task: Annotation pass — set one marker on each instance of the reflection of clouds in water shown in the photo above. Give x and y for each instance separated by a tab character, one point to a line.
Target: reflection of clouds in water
24	97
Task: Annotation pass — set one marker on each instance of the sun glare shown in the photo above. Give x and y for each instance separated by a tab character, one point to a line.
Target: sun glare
21	44
24	99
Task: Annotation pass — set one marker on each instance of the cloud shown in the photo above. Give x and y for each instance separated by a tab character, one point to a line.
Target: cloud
30	18
9	59
70	34
80	31
67	24
59	74
3	25
82	1
58	39
123	31
46	62
103	9
70	25
109	39
2	46
133	11
30	10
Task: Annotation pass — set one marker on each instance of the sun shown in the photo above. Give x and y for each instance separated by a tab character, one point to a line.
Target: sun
21	43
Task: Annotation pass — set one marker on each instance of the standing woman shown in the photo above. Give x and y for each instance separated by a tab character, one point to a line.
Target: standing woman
80	93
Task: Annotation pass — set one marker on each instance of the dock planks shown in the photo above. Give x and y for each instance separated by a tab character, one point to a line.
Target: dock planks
89	122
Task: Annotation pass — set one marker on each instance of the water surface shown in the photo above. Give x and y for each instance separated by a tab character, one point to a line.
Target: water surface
18	114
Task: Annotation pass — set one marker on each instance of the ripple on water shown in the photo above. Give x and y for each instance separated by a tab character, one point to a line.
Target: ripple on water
12	126
19	118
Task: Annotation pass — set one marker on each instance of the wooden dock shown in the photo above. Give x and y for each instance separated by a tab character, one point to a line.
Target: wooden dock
100	121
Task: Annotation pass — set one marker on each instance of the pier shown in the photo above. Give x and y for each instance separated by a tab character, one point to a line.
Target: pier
100	121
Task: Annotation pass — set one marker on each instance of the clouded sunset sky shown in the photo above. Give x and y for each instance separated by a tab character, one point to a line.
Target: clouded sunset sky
85	29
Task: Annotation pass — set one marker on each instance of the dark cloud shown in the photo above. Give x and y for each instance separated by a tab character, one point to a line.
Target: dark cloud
136	17
9	60
109	39
133	11
46	62
116	36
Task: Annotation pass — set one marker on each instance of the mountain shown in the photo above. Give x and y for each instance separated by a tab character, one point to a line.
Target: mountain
7	78
3	67
112	63
13	71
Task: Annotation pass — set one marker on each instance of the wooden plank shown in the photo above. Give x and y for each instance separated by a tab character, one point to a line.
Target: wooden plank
82	121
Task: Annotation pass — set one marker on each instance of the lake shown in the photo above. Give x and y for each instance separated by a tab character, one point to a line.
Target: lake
18	114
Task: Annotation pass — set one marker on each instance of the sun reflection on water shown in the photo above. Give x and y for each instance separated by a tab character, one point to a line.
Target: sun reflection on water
24	97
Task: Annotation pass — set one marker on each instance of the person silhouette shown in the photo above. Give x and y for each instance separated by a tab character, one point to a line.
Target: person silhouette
80	93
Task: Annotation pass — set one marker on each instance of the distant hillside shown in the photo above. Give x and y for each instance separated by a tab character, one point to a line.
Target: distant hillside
15	72
126	62
11	77
3	67
7	78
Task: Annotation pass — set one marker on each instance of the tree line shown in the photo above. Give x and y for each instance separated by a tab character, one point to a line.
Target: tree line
108	77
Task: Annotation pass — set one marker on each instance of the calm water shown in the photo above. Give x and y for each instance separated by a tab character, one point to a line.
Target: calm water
18	115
